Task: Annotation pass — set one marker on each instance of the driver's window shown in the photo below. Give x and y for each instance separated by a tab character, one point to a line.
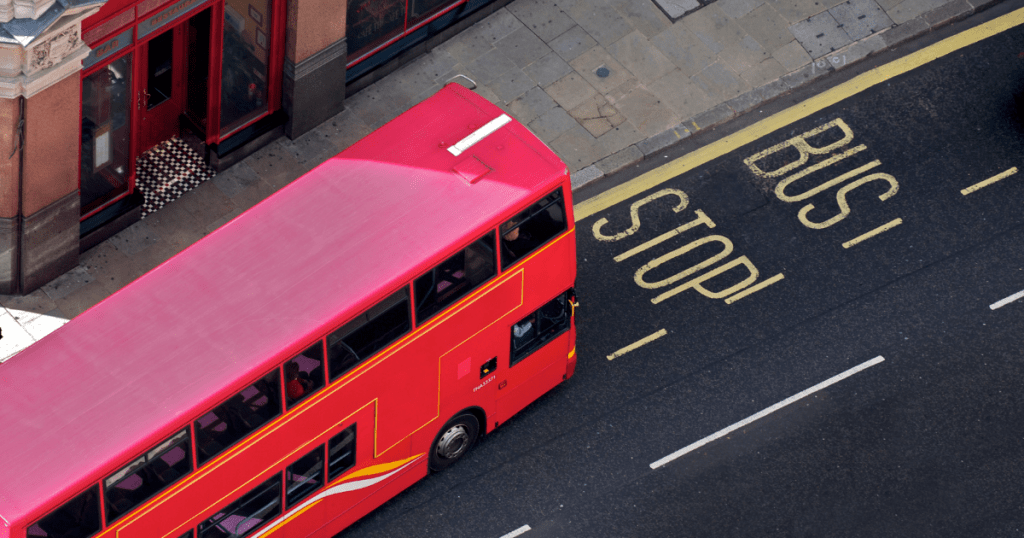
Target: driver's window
368	333
539	328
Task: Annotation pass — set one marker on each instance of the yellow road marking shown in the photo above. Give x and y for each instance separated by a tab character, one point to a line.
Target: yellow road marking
638	343
872	233
989	181
752	289
797	112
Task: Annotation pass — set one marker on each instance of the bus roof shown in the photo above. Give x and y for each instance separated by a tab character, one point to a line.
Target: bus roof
129	371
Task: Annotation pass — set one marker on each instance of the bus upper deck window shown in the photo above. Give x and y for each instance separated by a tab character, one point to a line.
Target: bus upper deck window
530	229
455	277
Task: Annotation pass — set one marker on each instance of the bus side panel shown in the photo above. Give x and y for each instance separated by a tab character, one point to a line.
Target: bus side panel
398	483
462	343
531	377
244	466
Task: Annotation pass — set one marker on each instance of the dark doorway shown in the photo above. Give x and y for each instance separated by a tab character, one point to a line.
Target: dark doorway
197	58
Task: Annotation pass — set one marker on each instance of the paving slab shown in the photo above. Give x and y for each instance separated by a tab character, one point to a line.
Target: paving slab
681	94
763	73
820	35
685	49
523	47
496	26
643	15
570	91
111	267
572	43
798	10
720	82
548	69
636	53
543	17
618	138
15	339
531	105
26	307
551	124
511	84
577	148
601	70
45	324
601	21
744	54
861	18
675	9
597	115
792	56
739	8
647	112
714	28
135	238
765	25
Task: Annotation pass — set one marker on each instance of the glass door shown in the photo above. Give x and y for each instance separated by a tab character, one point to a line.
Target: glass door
106	134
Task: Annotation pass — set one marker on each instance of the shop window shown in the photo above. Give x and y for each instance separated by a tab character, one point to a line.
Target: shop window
147	475
455	277
245	64
247	514
369	333
530	229
371	23
78	518
241	415
421	10
106	133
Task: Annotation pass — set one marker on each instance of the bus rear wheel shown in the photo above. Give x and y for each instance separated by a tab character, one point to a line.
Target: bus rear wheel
453	441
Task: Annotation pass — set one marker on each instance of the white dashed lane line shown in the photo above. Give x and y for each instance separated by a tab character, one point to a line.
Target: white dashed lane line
766	412
518	532
1006	301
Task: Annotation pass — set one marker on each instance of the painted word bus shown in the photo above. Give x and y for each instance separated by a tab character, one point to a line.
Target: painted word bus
313	357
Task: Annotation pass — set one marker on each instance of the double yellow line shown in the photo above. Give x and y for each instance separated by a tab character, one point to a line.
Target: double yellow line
797	112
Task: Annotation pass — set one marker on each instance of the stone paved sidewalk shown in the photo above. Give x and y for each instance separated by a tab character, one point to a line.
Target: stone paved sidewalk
603	82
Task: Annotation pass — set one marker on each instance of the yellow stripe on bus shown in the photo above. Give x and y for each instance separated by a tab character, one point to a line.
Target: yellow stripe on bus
380	468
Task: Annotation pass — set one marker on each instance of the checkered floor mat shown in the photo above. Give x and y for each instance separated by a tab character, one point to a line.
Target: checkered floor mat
168	171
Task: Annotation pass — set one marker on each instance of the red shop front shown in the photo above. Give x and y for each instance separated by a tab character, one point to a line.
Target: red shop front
165	68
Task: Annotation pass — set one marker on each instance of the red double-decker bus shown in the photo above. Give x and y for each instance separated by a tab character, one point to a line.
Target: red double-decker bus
318	354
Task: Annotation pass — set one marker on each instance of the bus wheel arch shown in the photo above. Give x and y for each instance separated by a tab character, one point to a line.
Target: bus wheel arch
455	439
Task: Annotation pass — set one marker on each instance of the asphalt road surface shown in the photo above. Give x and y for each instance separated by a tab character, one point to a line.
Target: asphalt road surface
802	324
